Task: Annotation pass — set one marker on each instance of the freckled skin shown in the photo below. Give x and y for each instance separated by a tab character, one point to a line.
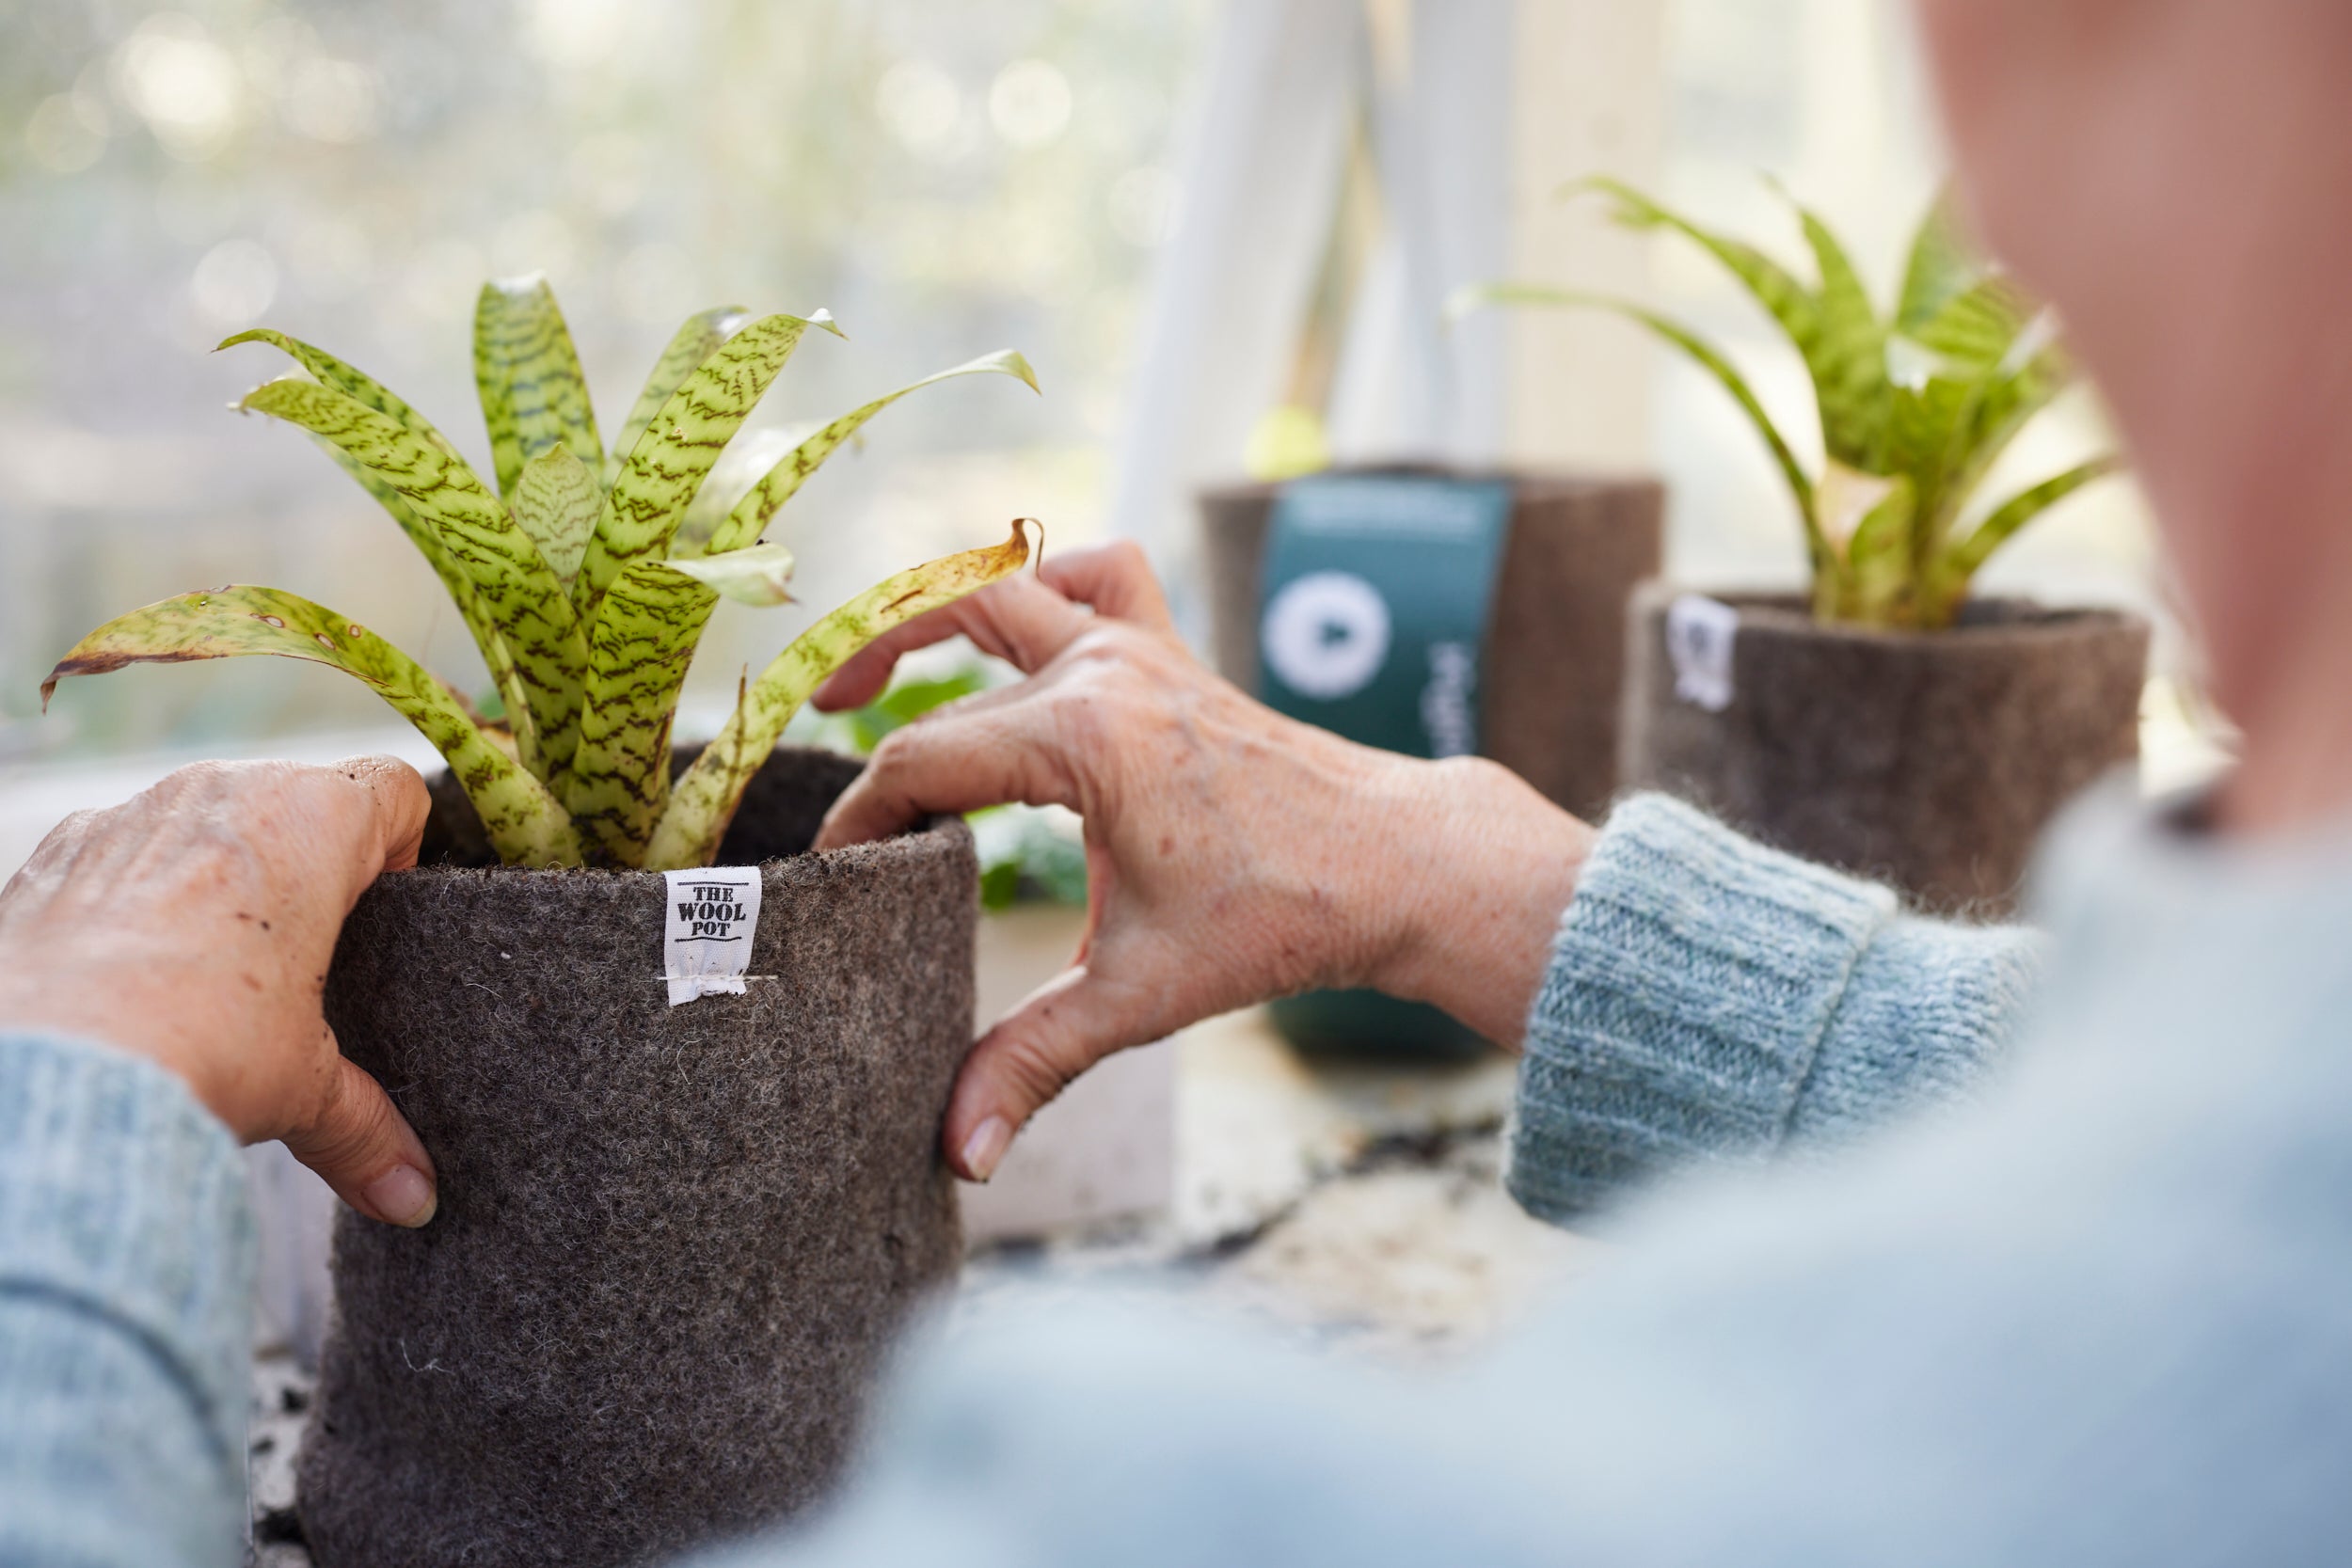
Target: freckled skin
142	926
1307	860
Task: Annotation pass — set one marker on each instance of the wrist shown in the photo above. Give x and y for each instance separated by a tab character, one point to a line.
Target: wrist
39	997
1487	869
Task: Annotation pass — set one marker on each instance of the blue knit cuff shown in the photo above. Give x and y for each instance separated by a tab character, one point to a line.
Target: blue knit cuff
123	1201
1692	984
1929	1008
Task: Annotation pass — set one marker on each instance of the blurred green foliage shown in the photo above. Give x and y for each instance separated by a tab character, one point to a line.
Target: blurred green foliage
172	171
1026	855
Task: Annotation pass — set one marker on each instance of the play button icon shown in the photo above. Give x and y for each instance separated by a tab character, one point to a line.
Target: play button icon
1325	635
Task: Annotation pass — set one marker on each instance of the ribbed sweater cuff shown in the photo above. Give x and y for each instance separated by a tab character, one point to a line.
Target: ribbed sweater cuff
122	1200
1694	978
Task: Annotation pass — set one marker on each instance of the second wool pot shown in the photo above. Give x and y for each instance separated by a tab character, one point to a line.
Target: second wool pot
1929	760
673	1243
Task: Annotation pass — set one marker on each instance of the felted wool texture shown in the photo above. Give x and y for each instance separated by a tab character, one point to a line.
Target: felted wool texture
1555	666
673	1243
1929	760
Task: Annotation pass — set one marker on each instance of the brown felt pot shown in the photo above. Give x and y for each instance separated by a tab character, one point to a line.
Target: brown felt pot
673	1243
1555	639
1930	760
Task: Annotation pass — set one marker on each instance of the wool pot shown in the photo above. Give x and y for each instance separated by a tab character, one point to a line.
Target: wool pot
673	1241
1929	760
1549	707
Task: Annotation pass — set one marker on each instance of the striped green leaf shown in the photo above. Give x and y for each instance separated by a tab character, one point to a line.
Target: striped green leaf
704	798
524	822
1847	359
533	396
1940	268
1789	302
1926	437
1479	296
751	515
1963	559
355	383
1876	583
556	502
694	342
675	454
1975	328
2004	403
647	627
512	587
352	382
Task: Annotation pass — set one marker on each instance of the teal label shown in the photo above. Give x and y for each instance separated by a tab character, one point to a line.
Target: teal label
1373	616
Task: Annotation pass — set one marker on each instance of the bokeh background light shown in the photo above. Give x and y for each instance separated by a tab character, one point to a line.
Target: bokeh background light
947	178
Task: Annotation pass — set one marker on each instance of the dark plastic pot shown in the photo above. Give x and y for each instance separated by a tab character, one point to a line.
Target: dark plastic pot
1929	760
673	1243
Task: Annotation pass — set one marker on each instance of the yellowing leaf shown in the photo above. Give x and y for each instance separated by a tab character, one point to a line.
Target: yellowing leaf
702	802
524	820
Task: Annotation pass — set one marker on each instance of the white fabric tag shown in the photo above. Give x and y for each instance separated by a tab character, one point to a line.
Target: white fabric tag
706	934
1699	634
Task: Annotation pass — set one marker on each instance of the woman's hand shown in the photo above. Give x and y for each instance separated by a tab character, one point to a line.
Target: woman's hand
1232	855
193	925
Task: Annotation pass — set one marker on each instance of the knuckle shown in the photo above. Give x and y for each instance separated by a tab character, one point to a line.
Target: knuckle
900	750
1035	1069
353	1120
1127	558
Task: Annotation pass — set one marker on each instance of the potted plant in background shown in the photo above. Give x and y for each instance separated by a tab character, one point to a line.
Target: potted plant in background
685	1118
1886	720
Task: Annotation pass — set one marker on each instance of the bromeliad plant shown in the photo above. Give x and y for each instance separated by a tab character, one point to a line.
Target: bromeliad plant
1915	407
582	594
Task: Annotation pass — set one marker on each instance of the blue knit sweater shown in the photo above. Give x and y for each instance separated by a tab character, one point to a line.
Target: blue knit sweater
2094	1308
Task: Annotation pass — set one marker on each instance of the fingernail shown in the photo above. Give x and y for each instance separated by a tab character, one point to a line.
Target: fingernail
985	1146
401	1195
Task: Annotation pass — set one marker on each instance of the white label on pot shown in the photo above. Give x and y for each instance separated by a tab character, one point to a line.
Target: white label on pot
1699	633
706	934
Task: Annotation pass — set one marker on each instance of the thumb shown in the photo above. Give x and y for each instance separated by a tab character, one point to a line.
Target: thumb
1063	1028
366	1151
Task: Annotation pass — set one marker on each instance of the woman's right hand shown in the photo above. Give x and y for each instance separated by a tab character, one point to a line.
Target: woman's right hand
1233	855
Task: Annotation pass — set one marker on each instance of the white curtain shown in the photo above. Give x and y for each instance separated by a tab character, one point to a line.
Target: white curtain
1286	84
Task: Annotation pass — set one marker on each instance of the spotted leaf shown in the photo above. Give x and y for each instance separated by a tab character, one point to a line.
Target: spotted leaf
524	822
704	799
